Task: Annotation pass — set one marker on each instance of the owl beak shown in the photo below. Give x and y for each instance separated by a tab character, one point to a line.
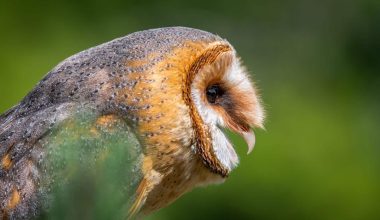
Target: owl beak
247	134
250	139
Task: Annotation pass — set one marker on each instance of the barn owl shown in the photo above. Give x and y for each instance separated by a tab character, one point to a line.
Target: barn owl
167	92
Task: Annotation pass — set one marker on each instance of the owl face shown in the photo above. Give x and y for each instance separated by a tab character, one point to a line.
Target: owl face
224	97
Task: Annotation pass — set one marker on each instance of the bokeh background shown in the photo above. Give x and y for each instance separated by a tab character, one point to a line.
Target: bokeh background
317	63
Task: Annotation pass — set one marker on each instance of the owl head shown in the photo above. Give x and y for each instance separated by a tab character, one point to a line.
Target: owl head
221	95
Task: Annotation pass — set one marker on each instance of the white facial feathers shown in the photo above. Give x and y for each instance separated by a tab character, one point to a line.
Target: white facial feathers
227	71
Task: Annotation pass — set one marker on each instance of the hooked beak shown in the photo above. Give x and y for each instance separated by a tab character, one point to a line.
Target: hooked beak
250	139
248	135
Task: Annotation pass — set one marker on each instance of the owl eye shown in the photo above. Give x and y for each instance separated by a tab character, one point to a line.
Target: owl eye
213	92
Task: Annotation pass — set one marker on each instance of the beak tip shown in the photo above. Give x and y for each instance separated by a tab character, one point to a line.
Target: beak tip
249	151
249	137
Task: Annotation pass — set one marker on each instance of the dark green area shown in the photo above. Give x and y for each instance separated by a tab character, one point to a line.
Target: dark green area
317	64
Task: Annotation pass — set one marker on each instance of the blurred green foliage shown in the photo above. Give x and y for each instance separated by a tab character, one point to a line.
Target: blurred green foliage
92	171
317	64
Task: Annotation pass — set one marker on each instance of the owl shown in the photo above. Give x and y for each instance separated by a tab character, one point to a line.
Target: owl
160	98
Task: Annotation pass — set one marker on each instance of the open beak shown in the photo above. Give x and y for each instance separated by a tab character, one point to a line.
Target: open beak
247	134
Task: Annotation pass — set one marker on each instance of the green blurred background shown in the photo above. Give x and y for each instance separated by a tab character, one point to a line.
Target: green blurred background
317	64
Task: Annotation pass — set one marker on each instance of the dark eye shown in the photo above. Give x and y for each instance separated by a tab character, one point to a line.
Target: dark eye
213	92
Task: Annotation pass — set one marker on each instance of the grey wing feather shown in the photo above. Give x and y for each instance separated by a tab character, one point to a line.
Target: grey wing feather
19	152
19	132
